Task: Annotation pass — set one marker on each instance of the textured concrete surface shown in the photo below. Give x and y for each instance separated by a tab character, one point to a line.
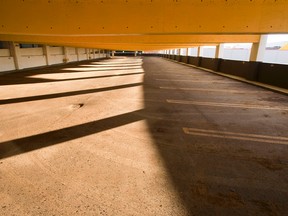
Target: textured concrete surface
140	136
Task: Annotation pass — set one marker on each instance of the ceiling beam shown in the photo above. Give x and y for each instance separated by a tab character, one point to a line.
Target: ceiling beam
142	17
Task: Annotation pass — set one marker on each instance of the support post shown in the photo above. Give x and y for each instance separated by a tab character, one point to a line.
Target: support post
200	51
65	59
219	51
93	50
46	51
15	52
258	49
77	53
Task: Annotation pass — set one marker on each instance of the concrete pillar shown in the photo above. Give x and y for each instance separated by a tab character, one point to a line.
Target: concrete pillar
187	51
65	51
219	51
99	53
113	53
77	53
86	52
93	50
135	53
258	49
200	51
46	51
178	51
107	53
15	52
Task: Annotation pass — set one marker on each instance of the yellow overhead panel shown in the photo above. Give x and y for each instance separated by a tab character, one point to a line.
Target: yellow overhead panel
142	17
165	39
131	47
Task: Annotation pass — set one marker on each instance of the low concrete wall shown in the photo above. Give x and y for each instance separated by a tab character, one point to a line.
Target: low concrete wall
194	60
37	56
210	63
272	74
184	59
247	70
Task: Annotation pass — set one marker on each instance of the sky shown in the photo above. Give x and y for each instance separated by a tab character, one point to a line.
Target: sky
277	38
272	38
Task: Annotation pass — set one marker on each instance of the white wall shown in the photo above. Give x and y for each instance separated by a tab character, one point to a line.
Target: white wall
82	54
6	61
4	52
36	57
56	55
31	57
31	61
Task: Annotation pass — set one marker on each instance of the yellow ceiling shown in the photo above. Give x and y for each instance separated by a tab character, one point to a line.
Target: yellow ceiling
140	24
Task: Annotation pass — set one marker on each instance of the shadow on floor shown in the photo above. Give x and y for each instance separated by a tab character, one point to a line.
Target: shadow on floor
211	176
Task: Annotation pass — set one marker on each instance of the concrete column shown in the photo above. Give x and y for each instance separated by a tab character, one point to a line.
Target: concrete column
219	51
46	51
135	53
113	53
99	53
86	52
77	53
179	51
187	51
66	59
200	51
258	49
15	52
93	50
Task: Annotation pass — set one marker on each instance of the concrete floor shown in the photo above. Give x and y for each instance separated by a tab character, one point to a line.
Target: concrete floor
140	136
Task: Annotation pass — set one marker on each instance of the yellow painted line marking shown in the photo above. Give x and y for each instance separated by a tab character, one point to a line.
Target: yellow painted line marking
187	130
208	90
190	75
224	135
247	106
200	81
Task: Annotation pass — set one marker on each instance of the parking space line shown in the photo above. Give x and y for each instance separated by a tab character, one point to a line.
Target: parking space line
238	136
209	90
227	105
197	81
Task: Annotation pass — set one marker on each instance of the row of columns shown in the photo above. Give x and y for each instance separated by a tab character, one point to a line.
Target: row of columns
15	52
256	53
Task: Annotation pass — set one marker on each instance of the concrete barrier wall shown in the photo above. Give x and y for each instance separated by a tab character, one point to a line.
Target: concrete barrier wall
247	70
272	74
184	59
194	60
210	63
17	58
6	60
